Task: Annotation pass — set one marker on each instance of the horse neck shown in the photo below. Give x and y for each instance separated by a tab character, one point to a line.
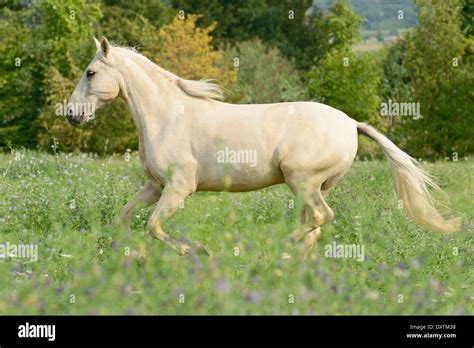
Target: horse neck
147	95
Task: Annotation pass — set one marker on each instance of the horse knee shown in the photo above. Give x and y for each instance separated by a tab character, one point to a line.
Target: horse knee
319	218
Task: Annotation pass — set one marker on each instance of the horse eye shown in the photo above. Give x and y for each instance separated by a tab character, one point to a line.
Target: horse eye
90	73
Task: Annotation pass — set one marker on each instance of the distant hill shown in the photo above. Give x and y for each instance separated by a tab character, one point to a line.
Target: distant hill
382	24
381	15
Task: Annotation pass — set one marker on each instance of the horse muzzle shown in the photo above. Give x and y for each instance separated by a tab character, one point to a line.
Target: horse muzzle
76	119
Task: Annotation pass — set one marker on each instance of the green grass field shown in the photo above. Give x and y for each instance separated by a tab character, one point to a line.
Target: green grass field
67	204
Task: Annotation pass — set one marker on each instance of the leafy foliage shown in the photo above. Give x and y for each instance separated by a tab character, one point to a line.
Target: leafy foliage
343	79
264	75
19	99
282	46
50	48
348	82
300	31
187	52
435	61
231	20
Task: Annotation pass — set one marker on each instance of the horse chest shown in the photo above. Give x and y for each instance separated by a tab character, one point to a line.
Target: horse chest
152	174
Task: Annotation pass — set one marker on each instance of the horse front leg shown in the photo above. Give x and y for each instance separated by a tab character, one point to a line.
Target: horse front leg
169	202
146	196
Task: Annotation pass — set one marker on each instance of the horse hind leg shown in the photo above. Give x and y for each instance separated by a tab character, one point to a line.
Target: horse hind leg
316	212
331	182
310	234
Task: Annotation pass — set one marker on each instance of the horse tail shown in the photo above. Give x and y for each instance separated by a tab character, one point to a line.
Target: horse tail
412	184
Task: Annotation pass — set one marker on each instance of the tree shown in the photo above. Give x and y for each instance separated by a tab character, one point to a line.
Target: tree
343	79
264	75
65	47
140	32
49	48
439	72
298	29
342	26
17	94
155	12
468	18
236	19
187	52
395	84
348	82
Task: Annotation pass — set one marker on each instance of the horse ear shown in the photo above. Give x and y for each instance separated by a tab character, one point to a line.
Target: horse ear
97	43
105	46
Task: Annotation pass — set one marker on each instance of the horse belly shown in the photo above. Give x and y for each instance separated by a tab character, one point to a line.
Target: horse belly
240	179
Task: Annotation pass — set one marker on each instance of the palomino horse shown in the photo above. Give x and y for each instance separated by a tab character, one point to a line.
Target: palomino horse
183	130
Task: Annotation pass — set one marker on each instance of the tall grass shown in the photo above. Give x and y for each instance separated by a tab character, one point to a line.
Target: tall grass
67	204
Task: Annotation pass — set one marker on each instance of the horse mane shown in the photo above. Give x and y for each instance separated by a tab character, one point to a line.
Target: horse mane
204	88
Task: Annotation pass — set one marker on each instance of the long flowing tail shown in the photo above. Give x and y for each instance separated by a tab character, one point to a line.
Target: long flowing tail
412	184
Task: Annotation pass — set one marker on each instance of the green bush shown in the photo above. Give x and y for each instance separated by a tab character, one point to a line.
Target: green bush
432	65
348	82
264	75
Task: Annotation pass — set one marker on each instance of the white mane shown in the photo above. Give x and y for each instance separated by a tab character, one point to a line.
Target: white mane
203	88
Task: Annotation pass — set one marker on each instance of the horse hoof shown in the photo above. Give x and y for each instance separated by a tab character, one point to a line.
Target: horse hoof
184	249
